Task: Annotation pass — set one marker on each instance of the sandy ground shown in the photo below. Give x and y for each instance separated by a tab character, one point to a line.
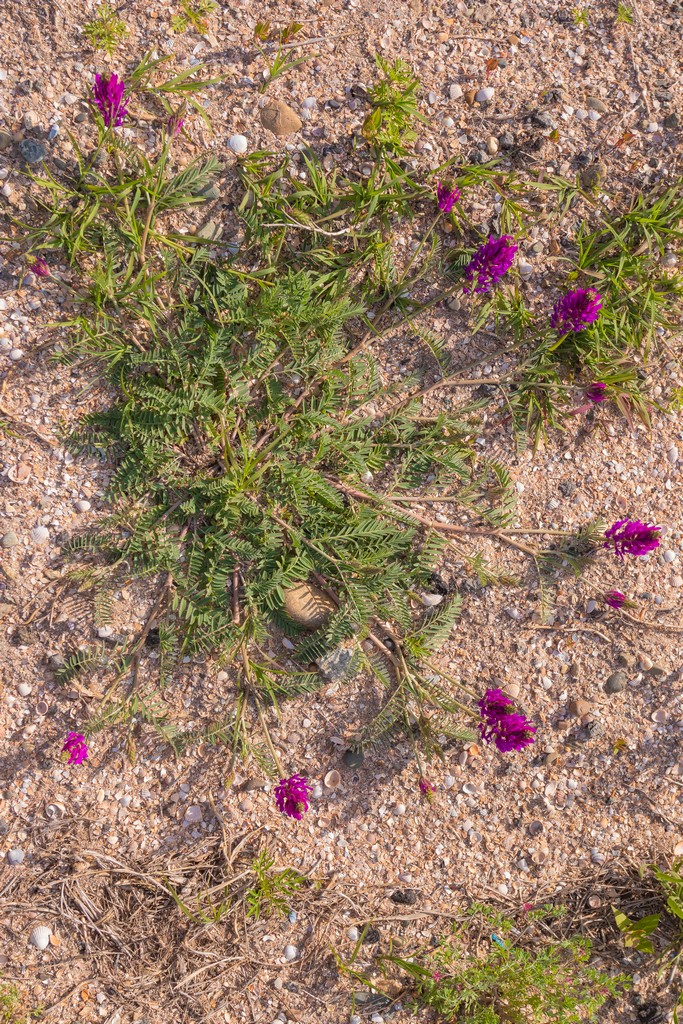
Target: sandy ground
523	826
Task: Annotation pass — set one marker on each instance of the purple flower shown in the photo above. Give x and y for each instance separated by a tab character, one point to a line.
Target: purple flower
596	392
291	796
76	747
426	787
39	267
447	197
576	310
509	731
490	262
494	703
174	125
614	598
109	99
631	537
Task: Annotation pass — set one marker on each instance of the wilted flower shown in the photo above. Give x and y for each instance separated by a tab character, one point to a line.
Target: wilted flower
174	125
631	537
490	262
614	598
437	975
509	730
291	796
576	310
596	392
426	787
447	197
39	267
109	99
76	747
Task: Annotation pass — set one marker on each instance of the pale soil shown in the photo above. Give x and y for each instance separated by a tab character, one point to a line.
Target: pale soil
375	832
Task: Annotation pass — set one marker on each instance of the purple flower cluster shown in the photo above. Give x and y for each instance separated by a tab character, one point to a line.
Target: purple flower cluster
108	96
509	730
491	261
614	598
596	392
447	197
291	796
631	537
39	267
426	787
576	310
76	747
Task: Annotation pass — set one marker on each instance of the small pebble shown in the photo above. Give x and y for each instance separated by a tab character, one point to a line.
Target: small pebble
193	814
455	91
615	683
238	144
16	354
105	631
15	857
310	103
431	98
492	145
83	506
484	95
23	689
353	933
290	952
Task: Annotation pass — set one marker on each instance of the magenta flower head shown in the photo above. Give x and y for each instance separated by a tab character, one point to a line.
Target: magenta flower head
596	392
109	99
614	598
576	310
174	125
631	537
509	730
426	788
76	747
447	197
490	262
291	796
39	267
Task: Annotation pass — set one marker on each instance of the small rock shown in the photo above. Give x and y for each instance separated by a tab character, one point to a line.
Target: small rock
238	144
484	95
579	708
308	605
310	103
645	663
5	141
40	535
406	897
455	91
15	857
69	98
431	600
280	119
193	815
32	151
246	804
431	98
16	354
31	120
353	933
593	103
615	683
338	665
23	689
492	145
105	631
657	672
83	506
671	121
290	952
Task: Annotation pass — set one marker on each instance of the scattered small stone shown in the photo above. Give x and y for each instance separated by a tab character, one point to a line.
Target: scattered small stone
615	683
645	663
492	145
280	119
82	505
31	120
406	897
193	815
16	354
485	95
431	98
431	600
353	933
333	779
40	535
626	660
32	151
308	605
657	672
105	631
238	144
290	952
455	91
15	857
512	690
23	689
593	103
579	708
19	474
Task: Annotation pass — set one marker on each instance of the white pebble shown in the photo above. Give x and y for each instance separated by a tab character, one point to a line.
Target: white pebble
16	354
83	506
105	631
485	95
15	857
193	815
353	933
310	103
455	91
492	145
238	144
448	122
290	952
